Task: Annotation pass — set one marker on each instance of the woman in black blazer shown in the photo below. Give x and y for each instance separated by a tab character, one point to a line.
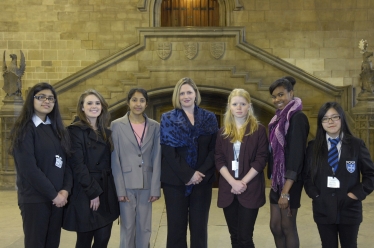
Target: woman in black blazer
93	204
337	178
39	144
188	137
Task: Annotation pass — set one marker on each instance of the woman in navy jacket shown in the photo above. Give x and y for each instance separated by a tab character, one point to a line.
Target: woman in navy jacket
241	155
93	204
336	189
39	144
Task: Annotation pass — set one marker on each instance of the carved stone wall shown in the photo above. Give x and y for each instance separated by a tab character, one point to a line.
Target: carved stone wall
8	114
62	37
113	46
363	114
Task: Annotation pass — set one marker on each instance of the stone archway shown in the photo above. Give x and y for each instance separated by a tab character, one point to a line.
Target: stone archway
212	99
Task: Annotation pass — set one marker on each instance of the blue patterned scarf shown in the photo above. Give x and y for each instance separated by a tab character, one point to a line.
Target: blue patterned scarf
176	131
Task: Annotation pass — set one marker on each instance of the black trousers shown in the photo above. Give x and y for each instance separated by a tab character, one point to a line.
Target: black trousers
192	210
41	224
347	235
241	223
100	237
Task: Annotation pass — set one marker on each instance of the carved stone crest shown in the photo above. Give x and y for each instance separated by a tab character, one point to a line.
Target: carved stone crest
190	49
217	49
164	50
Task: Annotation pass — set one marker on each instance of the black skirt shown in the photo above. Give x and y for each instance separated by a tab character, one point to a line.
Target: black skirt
295	195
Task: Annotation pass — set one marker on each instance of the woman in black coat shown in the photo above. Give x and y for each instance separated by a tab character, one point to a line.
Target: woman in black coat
338	177
93	203
39	144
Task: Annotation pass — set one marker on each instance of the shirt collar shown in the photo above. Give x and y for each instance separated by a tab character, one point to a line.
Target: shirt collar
328	136
37	121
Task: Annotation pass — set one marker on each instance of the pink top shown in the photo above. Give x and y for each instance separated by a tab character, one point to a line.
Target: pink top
138	130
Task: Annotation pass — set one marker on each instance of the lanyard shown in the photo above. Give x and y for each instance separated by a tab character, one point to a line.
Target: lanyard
135	134
236	157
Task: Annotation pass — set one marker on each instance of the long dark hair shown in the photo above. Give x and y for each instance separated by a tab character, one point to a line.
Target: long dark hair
102	121
318	147
18	132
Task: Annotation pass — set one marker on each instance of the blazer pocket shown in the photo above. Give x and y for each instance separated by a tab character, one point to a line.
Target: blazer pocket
352	209
319	206
126	169
351	204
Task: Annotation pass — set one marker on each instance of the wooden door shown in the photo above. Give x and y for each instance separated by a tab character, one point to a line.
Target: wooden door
182	13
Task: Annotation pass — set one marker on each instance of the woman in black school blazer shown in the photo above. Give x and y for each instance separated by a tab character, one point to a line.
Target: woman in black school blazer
337	210
39	144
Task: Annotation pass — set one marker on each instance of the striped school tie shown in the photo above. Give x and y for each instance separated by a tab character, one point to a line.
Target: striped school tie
333	158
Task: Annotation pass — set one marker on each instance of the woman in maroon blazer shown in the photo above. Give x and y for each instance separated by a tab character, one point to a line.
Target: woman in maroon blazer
241	155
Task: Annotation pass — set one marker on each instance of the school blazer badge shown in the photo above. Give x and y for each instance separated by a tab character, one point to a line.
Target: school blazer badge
351	166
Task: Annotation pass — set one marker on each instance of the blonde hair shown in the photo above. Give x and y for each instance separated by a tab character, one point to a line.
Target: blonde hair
177	89
230	130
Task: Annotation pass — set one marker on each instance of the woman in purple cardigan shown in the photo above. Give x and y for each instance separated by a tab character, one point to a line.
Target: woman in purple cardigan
241	155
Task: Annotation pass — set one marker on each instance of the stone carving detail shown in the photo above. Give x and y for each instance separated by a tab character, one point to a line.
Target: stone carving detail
142	5
12	76
367	72
217	49
190	49
164	50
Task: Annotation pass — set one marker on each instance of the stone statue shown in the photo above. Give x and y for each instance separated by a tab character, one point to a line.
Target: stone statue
367	72
12	75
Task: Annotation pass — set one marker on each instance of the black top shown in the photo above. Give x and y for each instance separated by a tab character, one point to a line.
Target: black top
296	141
38	177
176	171
91	166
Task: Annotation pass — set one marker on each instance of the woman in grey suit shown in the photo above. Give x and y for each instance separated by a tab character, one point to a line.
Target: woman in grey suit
136	165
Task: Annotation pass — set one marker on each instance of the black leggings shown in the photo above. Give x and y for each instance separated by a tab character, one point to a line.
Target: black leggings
241	223
101	238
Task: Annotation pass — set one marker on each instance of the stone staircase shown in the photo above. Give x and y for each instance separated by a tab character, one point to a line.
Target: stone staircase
112	79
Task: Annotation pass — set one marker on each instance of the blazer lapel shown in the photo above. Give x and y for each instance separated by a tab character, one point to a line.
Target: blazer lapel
127	131
148	135
243	150
344	156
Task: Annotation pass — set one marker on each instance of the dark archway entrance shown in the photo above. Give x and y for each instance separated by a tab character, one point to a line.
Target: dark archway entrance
212	99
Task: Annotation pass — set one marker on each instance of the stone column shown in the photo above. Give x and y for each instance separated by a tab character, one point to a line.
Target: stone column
363	114
8	114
